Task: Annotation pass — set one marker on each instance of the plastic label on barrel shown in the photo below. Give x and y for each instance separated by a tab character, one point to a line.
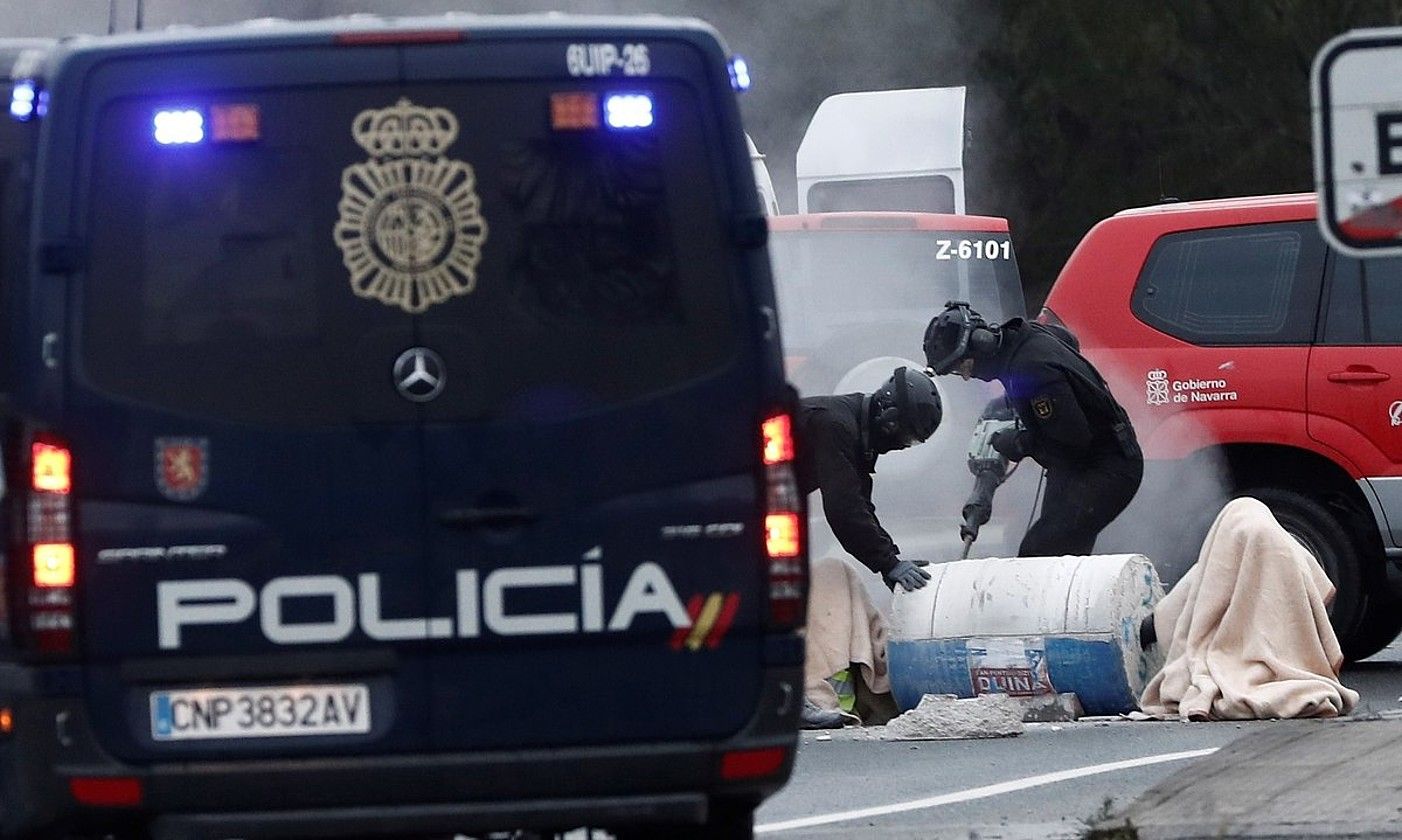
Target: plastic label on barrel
1012	666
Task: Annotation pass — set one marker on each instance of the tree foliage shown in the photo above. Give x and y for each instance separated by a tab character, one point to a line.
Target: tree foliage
1100	105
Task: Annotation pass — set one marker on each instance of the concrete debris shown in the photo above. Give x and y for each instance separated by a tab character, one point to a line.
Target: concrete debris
1050	708
944	716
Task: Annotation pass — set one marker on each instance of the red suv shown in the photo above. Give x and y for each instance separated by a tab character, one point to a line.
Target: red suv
1237	339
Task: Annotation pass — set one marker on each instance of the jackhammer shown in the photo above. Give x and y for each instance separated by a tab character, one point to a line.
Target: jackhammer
989	468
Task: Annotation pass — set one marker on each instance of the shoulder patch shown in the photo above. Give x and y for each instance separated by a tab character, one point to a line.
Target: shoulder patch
1042	407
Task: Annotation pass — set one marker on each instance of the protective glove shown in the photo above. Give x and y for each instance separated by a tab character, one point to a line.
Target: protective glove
1010	443
907	574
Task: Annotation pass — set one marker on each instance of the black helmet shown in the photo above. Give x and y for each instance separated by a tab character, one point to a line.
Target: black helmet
954	335
908	409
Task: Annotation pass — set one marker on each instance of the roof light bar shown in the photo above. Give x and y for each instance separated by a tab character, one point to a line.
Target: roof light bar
24	101
234	123
628	110
574	110
739	74
177	127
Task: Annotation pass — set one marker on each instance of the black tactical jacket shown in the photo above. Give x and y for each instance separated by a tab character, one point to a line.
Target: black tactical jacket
1071	419
836	458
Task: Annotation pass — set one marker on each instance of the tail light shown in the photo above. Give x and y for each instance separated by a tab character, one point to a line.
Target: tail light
43	607
106	791
752	764
785	545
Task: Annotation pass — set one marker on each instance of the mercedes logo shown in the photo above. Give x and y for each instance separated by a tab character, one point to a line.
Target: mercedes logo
419	374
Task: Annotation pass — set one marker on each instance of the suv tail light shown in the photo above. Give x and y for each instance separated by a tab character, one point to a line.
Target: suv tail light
784	526
43	609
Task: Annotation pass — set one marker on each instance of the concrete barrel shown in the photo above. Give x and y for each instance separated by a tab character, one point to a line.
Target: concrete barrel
1027	626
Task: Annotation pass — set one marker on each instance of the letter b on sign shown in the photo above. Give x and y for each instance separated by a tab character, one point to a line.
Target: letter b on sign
1389	124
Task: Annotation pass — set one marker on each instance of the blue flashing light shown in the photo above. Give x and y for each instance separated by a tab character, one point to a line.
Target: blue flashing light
739	73
628	110
24	101
178	127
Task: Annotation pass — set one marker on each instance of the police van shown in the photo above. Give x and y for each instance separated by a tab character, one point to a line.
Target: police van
396	439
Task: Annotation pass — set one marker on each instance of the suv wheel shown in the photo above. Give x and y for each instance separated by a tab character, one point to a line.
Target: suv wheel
1382	619
1324	536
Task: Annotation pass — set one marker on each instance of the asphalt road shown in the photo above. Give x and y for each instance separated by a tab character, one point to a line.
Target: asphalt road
1043	784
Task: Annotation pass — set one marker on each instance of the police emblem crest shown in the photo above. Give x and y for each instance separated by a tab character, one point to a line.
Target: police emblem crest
182	467
1042	407
411	228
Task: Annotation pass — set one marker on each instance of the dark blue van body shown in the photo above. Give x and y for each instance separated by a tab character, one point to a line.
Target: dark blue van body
385	435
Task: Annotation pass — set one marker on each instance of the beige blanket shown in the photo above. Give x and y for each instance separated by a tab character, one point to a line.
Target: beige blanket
844	629
1246	629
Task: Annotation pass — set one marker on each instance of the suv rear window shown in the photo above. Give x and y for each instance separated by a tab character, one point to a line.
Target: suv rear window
1251	284
220	283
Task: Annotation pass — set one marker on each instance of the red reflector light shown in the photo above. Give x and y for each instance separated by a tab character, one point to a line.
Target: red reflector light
53	467
574	111
420	36
778	439
234	123
53	565
106	792
751	764
782	534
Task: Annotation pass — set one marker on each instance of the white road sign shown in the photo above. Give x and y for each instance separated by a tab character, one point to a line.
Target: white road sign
1356	92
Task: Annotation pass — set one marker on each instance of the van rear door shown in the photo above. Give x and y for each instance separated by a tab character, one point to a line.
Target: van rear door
248	481
591	462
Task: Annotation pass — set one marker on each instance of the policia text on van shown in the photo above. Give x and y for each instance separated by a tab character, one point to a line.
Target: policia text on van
357	457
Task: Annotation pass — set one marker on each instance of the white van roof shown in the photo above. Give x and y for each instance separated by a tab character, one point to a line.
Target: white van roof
871	135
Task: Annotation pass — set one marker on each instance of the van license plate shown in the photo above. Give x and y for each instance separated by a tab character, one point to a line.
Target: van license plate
267	712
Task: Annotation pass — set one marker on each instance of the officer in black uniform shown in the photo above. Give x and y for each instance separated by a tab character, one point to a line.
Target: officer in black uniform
1069	422
841	437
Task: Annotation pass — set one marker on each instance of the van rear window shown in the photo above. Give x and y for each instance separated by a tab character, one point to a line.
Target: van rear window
244	265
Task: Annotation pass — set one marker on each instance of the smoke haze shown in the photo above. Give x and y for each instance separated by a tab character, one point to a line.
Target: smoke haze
799	51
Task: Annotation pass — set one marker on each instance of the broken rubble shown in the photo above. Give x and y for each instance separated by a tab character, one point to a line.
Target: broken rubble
1050	708
945	716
